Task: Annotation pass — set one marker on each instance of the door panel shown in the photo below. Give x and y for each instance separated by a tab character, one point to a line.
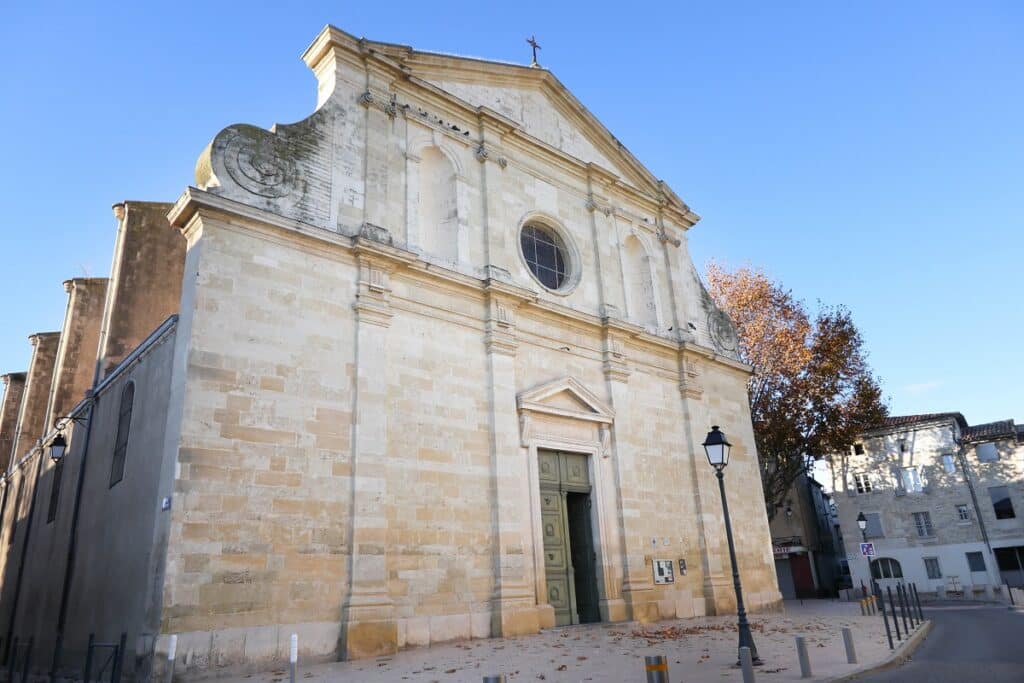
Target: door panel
569	559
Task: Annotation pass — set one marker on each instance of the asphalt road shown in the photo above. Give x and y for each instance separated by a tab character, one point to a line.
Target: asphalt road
967	643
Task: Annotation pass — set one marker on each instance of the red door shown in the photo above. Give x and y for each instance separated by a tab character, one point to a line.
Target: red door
803	580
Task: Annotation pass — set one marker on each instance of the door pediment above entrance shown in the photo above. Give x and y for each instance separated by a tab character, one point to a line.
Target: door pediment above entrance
565	397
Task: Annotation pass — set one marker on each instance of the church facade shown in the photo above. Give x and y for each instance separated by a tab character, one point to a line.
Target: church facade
438	365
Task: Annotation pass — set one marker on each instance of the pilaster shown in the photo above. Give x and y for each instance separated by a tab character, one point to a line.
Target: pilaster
637	585
497	233
368	622
716	582
378	103
513	602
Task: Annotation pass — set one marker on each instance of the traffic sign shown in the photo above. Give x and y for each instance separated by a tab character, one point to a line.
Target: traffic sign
867	549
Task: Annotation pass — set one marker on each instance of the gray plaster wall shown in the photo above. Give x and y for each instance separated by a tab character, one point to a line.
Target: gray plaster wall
115	557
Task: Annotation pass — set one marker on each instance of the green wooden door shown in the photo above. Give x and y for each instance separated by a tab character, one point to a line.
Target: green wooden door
568	548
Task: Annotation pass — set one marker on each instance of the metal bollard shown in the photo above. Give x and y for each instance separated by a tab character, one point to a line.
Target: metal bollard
293	657
895	618
747	664
172	652
495	679
851	653
903	608
863	612
28	660
917	599
885	619
657	668
805	661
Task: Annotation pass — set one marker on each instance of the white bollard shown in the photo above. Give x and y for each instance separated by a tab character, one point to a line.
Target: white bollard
293	656
851	653
172	652
805	661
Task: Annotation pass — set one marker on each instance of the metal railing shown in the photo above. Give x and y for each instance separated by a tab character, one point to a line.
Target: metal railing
109	654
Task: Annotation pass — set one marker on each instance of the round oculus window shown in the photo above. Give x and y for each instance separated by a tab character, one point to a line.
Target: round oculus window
545	254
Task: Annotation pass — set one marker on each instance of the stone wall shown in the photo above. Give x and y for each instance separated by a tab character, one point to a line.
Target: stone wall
75	368
14	387
362	403
145	280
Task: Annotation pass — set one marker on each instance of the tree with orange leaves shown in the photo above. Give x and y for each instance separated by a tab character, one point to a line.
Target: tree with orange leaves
812	392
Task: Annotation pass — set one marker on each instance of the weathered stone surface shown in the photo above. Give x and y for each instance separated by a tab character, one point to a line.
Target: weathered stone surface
14	387
145	284
79	344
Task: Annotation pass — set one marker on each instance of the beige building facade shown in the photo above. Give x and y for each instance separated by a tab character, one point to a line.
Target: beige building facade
440	368
943	503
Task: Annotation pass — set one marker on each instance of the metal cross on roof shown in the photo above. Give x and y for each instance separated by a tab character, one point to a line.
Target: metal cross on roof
532	42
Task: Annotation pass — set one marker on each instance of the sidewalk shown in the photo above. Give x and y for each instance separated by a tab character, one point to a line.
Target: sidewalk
702	649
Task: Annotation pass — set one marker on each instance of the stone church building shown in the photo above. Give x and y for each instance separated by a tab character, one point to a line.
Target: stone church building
433	363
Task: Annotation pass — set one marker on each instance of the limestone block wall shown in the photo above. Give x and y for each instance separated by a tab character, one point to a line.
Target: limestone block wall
145	279
260	532
33	412
14	386
75	367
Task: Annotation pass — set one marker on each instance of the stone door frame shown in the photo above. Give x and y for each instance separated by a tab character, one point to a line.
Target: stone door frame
606	532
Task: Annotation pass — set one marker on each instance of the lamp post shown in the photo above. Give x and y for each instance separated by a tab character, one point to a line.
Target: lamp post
716	447
862	523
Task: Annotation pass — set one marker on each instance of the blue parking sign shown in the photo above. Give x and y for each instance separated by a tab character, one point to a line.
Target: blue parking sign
867	549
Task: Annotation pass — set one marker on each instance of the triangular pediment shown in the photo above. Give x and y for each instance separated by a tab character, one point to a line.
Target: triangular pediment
565	397
531	98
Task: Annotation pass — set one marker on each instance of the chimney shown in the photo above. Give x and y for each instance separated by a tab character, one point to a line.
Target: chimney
14	388
32	415
79	345
145	279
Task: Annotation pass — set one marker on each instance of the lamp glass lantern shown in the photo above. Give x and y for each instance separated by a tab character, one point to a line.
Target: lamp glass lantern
57	448
862	521
716	446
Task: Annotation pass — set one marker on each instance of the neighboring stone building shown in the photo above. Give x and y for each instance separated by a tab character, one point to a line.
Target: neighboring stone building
432	364
807	543
944	503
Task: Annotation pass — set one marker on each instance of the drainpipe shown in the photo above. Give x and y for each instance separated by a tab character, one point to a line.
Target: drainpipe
961	456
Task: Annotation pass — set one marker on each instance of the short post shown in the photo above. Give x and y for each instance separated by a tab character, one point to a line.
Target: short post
851	654
172	653
495	679
895	619
874	604
27	661
88	659
885	619
862	612
657	668
805	661
122	644
916	599
747	665
903	608
12	657
293	657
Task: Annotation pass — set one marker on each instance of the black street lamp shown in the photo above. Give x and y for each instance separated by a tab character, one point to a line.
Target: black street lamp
716	446
57	447
862	523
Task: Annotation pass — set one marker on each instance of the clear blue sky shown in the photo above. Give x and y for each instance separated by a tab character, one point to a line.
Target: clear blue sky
869	154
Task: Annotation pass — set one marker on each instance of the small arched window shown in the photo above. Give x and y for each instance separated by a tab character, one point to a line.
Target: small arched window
124	424
886	568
